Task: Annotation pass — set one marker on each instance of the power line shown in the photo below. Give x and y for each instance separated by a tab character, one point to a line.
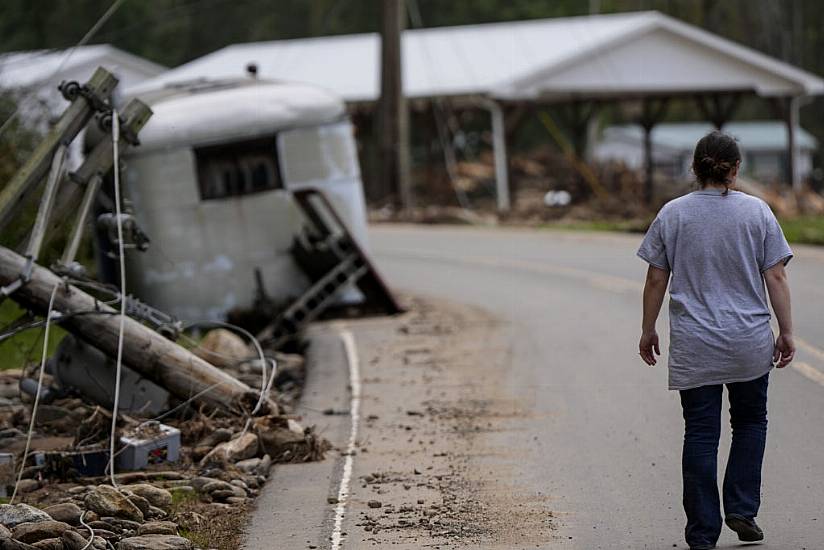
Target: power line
88	36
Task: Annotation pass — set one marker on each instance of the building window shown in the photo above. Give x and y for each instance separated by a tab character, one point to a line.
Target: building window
239	168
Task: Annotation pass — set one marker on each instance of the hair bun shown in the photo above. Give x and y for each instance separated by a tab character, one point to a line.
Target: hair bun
715	157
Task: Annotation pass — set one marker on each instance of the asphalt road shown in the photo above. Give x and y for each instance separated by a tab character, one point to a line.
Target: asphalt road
604	435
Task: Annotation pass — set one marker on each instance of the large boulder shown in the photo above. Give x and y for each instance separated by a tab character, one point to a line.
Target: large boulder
108	501
73	540
40	530
222	348
155	542
12	515
156	496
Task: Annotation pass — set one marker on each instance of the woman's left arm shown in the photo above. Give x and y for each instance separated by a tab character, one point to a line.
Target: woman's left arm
654	290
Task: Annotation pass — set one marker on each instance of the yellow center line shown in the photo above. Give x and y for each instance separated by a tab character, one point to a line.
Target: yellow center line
808	371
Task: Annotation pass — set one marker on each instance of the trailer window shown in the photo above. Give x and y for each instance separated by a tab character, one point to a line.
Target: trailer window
239	168
318	154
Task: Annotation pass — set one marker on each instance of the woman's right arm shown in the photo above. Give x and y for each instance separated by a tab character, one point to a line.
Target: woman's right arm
779	289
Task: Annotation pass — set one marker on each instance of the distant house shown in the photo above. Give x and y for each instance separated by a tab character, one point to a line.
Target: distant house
763	147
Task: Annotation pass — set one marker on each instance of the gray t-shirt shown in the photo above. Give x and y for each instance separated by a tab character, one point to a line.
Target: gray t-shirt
716	247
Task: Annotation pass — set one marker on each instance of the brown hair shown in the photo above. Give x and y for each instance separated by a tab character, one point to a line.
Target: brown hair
716	154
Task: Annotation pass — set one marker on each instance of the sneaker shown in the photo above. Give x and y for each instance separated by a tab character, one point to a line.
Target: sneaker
747	529
703	547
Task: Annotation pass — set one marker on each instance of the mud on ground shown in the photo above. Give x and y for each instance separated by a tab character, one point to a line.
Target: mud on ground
433	464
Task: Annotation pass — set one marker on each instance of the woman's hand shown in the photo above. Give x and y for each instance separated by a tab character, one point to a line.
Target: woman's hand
784	350
648	344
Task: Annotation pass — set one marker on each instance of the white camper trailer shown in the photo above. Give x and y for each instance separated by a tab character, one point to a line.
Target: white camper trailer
210	184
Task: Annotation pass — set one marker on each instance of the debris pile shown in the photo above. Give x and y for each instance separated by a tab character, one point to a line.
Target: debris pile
601	191
211	458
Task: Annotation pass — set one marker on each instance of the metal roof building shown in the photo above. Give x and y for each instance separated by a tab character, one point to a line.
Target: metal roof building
643	56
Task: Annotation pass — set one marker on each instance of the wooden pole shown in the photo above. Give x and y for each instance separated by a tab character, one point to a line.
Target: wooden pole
73	120
393	116
153	356
97	164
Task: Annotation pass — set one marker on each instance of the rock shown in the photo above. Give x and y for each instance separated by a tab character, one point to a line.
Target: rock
222	348
264	466
156	513
156	496
237	501
105	534
276	436
4	533
49	544
117	524
131	477
216	485
107	501
239	448
138	501
239	483
27	486
13	515
104	525
374	504
79	490
67	512
73	540
11	544
222	494
218	436
155	542
249	466
168	475
40	530
158	528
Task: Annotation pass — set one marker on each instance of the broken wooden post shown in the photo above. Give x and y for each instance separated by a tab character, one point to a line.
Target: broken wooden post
160	360
97	164
73	120
90	174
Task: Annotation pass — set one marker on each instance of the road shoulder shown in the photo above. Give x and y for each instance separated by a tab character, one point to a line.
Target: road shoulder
432	464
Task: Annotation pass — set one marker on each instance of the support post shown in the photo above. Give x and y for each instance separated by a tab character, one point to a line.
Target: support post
717	110
791	121
652	113
500	155
73	119
394	114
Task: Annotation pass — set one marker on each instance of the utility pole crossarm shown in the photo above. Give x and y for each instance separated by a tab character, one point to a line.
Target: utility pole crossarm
85	100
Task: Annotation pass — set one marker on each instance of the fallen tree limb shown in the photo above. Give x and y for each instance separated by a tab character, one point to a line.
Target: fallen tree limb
145	351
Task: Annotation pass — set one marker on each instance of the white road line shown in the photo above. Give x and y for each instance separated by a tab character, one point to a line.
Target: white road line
808	371
354	414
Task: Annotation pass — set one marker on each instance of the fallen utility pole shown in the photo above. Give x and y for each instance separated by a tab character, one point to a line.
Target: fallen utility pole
85	100
160	360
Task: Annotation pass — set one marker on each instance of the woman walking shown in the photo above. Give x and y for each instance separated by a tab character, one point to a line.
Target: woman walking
718	248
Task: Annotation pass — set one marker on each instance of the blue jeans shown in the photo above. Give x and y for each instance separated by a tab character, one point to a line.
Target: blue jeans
742	480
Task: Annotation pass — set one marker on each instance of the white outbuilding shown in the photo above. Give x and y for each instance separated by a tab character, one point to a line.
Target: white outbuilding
514	67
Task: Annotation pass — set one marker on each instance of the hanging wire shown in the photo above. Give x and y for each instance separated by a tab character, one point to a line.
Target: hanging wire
36	395
121	251
88	36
